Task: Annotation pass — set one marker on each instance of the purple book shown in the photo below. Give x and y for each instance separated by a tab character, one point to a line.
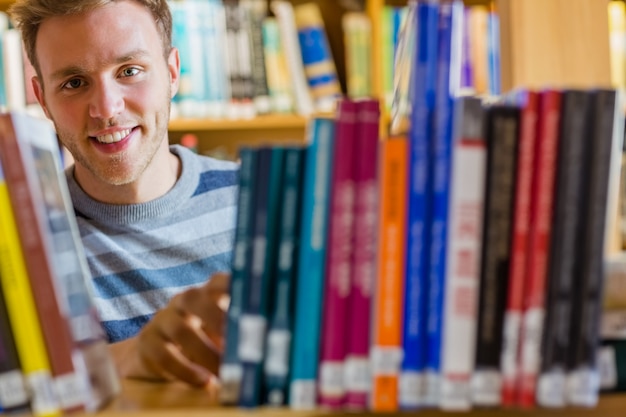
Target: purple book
363	255
332	390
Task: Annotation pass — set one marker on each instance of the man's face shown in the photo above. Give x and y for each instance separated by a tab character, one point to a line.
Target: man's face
107	87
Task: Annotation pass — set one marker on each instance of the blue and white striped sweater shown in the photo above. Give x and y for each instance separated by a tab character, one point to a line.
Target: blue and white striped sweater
141	255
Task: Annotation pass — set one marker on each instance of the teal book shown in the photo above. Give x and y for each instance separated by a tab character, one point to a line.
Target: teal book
258	298
311	264
231	369
281	317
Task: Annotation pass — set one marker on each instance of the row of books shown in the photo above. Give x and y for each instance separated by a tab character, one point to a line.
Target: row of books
54	353
348	292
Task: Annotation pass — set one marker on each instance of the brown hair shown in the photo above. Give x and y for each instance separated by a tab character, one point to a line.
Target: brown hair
29	14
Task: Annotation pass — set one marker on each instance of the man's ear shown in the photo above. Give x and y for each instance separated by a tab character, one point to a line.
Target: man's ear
173	67
38	88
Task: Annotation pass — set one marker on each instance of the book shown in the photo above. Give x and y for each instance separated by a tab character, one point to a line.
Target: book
583	382
278	79
412	388
281	321
311	263
231	368
565	251
285	17
363	263
253	322
448	78
386	351
22	315
255	11
464	234
539	241
528	101
357	34
502	135
337	277
85	375
317	58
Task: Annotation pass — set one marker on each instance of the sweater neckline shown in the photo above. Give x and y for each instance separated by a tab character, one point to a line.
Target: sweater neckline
182	190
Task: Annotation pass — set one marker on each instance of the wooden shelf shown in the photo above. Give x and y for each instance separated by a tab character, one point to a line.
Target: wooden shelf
177	400
269	122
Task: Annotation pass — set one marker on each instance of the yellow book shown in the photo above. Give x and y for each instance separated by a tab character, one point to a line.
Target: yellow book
617	42
22	313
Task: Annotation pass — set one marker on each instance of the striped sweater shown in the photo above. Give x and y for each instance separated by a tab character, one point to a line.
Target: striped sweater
140	255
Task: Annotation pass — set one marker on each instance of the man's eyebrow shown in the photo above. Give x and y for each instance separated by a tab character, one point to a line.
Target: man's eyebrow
77	69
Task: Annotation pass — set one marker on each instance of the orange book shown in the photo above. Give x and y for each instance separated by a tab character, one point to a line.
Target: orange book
387	318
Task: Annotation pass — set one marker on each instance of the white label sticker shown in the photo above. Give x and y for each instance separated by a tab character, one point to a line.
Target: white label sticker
251	338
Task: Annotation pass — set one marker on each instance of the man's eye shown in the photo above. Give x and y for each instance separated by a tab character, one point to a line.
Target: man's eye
129	72
73	83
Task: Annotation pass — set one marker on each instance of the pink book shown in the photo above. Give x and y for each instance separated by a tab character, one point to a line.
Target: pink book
332	390
357	365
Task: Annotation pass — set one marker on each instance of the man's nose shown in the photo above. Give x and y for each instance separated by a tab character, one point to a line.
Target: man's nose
107	100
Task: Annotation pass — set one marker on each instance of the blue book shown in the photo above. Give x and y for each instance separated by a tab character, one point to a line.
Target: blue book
448	77
493	53
230	368
281	316
411	393
311	264
253	321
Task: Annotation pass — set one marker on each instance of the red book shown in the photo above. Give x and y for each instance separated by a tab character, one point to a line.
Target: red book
529	102
337	286
363	254
546	151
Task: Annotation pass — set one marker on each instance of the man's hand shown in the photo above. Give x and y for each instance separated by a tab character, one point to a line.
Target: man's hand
183	341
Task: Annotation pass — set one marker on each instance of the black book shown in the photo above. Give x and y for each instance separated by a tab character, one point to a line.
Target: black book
502	135
602	161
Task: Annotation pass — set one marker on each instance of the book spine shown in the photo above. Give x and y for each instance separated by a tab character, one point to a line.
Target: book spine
332	389
14	69
441	173
386	353
311	264
357	32
281	319
539	238
566	251
463	255
529	103
256	11
231	367
19	171
284	12
22	314
358	369
253	322
278	79
317	58
583	383
502	139
412	393
213	26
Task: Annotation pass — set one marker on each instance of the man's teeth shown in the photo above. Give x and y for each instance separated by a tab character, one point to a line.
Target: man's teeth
114	137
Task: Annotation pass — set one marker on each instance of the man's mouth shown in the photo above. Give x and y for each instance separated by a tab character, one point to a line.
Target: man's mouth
114	137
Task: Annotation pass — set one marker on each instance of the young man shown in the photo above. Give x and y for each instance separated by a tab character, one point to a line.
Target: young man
156	220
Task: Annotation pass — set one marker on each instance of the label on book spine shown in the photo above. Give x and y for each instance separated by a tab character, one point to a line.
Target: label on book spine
486	387
412	389
358	378
583	385
251	335
551	389
44	399
70	390
332	379
302	395
277	359
12	389
386	360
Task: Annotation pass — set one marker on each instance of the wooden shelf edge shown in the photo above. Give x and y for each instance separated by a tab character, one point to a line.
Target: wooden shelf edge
260	122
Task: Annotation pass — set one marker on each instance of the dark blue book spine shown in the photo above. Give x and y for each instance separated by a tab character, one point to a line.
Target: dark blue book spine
442	155
253	322
281	317
422	113
230	369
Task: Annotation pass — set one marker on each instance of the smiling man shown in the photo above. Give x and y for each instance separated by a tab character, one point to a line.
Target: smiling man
156	220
